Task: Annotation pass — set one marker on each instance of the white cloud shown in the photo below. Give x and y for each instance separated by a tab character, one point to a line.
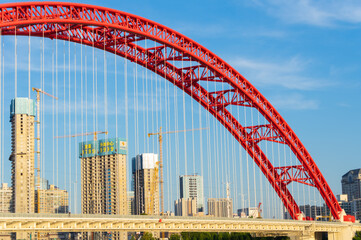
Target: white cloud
319	13
293	102
285	73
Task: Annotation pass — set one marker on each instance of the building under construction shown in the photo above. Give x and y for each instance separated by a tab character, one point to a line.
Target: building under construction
5	198
146	183
220	207
22	114
103	176
52	200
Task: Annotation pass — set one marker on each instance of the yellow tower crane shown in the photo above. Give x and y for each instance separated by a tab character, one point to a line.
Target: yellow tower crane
96	133
38	91
160	140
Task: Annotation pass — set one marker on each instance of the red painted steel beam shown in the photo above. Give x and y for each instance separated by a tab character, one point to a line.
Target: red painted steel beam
255	134
124	29
296	173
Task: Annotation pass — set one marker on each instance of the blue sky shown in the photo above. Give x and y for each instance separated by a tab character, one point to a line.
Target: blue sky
304	57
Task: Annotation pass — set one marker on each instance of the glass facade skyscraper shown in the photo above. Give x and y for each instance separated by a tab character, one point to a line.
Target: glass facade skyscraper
191	186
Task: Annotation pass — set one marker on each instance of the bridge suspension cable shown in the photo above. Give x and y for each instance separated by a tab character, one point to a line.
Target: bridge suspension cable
241	114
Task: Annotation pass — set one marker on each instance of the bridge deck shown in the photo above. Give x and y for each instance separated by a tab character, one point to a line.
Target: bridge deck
88	223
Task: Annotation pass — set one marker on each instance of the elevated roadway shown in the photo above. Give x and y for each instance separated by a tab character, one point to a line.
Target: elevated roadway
98	223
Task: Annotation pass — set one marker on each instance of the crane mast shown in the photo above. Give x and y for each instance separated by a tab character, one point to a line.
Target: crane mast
160	140
38	91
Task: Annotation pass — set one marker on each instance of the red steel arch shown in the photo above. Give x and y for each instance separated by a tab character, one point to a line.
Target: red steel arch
117	32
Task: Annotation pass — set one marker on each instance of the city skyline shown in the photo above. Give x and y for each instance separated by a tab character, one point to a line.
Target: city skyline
310	134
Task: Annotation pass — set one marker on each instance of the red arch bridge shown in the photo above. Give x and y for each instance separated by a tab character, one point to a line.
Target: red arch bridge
118	32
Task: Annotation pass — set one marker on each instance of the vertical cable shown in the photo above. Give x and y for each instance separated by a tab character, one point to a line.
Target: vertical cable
184	123
115	84
53	112
31	165
247	165
151	99
135	89
274	183
221	159
126	97
240	163
2	76
234	173
76	130
208	123
16	63
105	88
169	143
254	167
95	100
201	144
65	128
161	152
29	66
146	87
57	107
267	186
69	119
215	154
1	120
176	125
192	118
260	172
86	87
43	142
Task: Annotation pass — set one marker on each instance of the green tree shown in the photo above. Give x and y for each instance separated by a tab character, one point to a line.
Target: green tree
148	236
185	236
174	237
357	236
224	236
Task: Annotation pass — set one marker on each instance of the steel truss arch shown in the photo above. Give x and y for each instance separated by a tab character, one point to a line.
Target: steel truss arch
117	32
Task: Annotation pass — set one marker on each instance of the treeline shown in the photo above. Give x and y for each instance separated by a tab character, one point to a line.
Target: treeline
357	236
212	236
221	236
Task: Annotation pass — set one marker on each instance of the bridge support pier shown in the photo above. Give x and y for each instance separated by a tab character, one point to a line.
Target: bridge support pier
346	233
303	237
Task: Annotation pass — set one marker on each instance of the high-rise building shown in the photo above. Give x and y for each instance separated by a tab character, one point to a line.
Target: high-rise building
356	208
5	198
251	212
315	212
103	176
220	207
22	114
52	200
146	183
351	187
344	203
185	207
191	186
131	206
44	183
351	184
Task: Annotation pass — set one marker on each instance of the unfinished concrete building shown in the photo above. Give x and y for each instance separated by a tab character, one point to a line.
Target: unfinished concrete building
146	183
52	200
220	207
22	115
5	198
185	207
103	176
